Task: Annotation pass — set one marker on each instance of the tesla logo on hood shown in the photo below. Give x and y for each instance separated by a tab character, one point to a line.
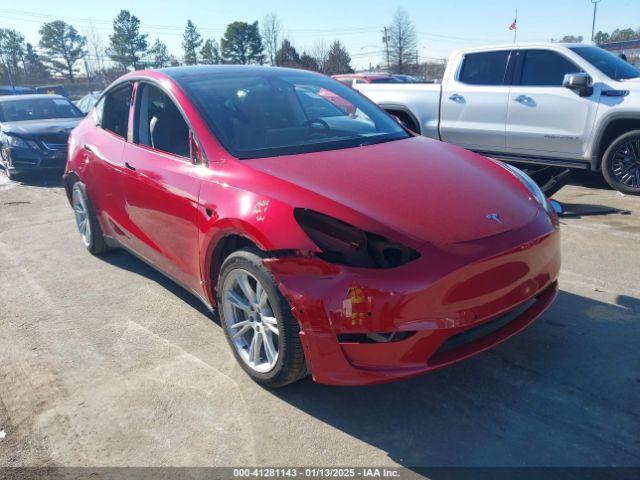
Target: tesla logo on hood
494	216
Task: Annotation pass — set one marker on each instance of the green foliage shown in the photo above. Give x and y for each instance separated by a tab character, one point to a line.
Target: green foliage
618	35
34	69
191	41
338	60
210	53
11	52
63	47
242	44
287	56
569	39
159	54
601	37
127	44
308	62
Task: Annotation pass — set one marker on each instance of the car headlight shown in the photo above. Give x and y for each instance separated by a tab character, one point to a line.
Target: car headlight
530	185
17	142
348	245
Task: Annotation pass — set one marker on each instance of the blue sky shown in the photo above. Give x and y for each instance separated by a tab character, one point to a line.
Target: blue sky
442	25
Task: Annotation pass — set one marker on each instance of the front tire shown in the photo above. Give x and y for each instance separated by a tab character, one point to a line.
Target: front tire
621	163
257	321
86	221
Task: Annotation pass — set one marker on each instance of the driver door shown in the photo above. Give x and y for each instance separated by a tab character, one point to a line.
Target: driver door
162	187
544	118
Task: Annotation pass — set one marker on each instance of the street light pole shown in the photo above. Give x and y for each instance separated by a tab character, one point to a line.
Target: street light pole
595	11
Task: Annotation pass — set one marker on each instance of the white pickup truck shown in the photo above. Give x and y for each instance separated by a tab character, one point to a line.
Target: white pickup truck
569	105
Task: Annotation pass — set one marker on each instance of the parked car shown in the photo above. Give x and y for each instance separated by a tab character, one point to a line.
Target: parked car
570	105
86	103
52	90
34	131
340	245
352	79
407	78
9	90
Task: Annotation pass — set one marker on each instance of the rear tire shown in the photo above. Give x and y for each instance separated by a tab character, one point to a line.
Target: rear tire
254	312
86	220
621	163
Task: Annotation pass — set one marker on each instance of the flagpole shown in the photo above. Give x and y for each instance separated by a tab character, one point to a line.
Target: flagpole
515	30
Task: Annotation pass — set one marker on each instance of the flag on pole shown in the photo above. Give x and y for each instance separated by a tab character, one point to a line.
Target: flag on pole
514	25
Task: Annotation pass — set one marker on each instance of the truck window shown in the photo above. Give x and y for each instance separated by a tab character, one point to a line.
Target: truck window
544	68
484	68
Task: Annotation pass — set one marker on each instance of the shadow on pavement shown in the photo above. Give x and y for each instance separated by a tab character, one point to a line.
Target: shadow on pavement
125	260
588	179
562	393
46	180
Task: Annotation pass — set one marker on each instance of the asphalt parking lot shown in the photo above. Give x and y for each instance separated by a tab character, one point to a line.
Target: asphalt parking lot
104	362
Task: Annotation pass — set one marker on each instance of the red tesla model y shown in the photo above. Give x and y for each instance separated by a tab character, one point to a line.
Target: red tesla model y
333	243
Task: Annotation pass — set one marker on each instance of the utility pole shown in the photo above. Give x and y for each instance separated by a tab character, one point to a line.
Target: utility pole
595	11
385	39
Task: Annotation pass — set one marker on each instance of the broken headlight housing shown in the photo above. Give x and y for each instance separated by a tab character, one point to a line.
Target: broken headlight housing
345	244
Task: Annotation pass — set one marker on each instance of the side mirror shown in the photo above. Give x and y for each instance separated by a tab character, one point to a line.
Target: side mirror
580	83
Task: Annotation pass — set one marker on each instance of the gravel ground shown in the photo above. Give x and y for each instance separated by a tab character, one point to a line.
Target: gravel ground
104	362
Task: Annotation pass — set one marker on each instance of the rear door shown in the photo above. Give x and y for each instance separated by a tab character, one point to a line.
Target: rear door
103	147
162	186
544	118
474	102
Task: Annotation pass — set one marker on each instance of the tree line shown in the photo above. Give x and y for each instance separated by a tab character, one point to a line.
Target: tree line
618	35
63	51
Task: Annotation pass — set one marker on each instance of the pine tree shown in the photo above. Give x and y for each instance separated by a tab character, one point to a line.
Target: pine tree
191	41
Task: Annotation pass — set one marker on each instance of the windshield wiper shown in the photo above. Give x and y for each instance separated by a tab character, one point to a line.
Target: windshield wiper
382	140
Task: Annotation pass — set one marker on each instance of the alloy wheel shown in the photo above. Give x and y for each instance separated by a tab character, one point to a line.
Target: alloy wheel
625	166
82	216
250	321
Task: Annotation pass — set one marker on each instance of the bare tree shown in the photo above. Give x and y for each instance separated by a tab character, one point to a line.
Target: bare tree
271	32
402	42
320	52
96	52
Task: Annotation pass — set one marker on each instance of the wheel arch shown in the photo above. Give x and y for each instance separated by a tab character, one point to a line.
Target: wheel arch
68	180
400	111
615	126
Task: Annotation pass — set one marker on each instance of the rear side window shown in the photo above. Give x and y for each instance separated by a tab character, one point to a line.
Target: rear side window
484	68
115	113
159	124
545	68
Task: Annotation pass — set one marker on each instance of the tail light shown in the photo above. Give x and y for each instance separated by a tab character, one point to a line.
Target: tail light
345	244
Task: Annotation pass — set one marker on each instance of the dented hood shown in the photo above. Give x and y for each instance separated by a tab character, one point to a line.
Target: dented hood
428	190
34	129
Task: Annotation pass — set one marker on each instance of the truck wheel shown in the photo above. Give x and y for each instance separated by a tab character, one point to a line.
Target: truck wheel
621	163
257	321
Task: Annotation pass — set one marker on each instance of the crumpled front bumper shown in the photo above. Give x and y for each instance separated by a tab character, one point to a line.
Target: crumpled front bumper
487	290
22	160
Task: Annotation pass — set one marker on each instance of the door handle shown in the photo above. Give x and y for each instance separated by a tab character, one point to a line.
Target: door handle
129	166
522	99
456	97
87	148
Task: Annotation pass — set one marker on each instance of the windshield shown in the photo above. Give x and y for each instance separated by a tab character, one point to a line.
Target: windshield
255	115
37	109
612	66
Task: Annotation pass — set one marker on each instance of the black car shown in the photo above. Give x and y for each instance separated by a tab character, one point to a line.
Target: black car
34	131
10	90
